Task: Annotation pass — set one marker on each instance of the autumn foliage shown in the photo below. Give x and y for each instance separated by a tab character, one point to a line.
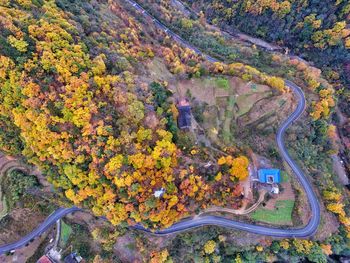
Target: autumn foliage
80	116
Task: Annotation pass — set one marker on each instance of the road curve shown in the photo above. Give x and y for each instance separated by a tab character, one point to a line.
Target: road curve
314	221
188	224
302	232
50	220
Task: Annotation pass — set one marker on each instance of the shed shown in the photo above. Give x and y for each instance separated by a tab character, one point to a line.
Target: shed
269	176
184	118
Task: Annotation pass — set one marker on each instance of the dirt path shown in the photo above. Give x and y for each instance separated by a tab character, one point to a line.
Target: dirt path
241	211
339	169
341	117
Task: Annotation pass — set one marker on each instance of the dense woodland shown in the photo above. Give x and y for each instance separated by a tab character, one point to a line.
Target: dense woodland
316	29
74	102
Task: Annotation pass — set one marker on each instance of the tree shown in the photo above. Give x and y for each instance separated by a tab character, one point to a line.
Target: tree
336	208
276	83
18	183
186	24
209	247
161	257
285	244
239	168
316	255
19	44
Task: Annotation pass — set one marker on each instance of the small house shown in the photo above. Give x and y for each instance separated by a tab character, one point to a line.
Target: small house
184	118
73	258
44	259
269	176
275	189
159	193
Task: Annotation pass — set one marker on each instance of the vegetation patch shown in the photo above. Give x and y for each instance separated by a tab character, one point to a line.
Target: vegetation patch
229	116
222	83
80	240
281	215
66	231
285	177
15	186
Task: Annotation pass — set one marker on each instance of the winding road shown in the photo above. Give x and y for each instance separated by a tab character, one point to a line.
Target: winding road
188	224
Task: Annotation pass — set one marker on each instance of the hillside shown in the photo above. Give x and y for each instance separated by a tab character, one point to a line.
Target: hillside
318	31
74	102
91	94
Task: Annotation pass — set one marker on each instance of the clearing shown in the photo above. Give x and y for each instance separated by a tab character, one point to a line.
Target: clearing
226	107
282	214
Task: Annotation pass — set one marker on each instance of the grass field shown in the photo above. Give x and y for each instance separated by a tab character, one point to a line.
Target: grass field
285	177
227	133
281	215
222	83
66	231
246	101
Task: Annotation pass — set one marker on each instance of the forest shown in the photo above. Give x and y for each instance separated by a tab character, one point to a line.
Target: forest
77	100
76	109
317	30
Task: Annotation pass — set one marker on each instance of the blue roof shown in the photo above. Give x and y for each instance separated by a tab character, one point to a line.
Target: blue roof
269	175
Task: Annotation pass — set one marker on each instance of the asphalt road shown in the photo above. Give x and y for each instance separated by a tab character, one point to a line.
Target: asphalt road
185	225
50	220
302	232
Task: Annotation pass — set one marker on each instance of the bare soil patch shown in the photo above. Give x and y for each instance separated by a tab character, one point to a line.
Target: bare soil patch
18	223
329	225
125	249
286	194
157	70
24	253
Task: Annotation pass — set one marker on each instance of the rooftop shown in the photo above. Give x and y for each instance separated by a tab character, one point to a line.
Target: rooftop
184	118
44	259
269	176
73	258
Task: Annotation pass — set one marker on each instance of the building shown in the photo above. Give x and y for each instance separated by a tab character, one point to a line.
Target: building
159	193
73	258
269	176
184	118
44	259
275	189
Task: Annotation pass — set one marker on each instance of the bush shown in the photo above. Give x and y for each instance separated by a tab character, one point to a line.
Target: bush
17	183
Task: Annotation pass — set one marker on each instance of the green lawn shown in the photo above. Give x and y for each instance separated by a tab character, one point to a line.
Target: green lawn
284	177
229	116
222	83
66	231
281	215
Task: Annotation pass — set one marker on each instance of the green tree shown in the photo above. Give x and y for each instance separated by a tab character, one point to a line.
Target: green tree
18	183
